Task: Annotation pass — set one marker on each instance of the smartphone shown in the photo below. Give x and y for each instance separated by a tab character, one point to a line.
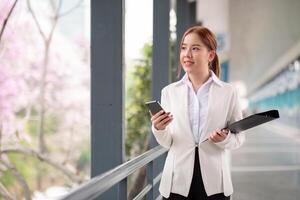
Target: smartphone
154	106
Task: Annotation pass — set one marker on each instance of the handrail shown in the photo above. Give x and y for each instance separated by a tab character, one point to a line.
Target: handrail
101	183
147	188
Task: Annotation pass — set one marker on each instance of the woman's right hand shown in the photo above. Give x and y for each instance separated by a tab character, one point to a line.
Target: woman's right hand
161	120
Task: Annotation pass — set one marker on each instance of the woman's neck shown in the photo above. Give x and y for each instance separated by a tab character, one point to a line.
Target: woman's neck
199	79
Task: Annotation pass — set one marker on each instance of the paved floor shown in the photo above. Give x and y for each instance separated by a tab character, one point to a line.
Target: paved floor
267	167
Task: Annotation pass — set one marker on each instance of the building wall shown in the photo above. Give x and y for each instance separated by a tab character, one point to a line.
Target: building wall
261	31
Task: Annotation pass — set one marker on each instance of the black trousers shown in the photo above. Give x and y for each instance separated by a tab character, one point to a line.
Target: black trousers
197	191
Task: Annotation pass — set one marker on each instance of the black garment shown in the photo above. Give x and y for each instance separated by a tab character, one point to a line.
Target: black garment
197	191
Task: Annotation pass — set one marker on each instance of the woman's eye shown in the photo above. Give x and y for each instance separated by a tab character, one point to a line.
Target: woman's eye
195	49
183	48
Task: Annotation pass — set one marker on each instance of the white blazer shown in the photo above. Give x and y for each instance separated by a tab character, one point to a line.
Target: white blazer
223	108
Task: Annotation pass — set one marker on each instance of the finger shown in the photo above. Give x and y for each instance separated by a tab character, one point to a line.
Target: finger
164	122
163	116
211	138
158	121
163	126
226	131
211	135
168	118
160	113
168	122
218	134
217	137
157	114
224	134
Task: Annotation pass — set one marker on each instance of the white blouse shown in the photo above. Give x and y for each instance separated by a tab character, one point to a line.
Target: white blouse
198	105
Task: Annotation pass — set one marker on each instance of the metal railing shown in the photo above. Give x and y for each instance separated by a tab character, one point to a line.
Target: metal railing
101	183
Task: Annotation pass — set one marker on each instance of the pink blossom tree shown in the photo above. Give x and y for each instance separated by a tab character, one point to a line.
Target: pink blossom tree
40	77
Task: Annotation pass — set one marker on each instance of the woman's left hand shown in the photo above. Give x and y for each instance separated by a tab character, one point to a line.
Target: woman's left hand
218	135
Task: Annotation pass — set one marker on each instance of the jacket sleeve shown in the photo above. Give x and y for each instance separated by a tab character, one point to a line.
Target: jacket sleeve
233	141
163	137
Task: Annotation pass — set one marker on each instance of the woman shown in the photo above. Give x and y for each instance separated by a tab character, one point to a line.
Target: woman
199	106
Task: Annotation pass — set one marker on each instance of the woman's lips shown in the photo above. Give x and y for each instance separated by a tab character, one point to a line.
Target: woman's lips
188	63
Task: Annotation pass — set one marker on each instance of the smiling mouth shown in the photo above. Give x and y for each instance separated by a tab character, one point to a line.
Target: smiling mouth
188	62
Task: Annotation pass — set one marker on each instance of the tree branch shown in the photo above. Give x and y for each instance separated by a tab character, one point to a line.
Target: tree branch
69	150
55	20
46	159
36	21
19	178
4	193
0	136
47	42
71	9
6	19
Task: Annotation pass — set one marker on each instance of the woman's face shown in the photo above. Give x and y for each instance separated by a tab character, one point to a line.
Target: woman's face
194	55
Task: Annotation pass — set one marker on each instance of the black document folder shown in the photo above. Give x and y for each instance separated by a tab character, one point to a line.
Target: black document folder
252	121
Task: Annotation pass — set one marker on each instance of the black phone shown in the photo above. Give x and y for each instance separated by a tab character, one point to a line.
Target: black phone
154	106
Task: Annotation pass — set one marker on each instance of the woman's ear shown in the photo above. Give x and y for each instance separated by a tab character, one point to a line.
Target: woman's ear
211	55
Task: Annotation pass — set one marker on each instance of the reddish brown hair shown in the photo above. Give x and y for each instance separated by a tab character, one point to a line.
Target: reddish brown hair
210	41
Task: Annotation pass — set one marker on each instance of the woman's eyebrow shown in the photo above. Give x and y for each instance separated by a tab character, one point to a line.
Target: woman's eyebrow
199	45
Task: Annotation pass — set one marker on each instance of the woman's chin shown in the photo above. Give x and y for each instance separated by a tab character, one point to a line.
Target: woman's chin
187	69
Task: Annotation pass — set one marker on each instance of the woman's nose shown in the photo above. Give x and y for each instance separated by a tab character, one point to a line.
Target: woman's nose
188	53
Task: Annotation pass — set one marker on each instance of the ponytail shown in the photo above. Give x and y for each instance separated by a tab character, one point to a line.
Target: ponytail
215	66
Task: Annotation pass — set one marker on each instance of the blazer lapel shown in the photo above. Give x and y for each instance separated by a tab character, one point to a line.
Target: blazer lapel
211	97
184	93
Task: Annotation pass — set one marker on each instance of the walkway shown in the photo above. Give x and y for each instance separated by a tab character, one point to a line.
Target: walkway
267	167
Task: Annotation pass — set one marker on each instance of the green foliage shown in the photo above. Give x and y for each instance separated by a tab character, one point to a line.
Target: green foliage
50	127
31	127
7	179
51	124
22	112
84	160
25	165
137	93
